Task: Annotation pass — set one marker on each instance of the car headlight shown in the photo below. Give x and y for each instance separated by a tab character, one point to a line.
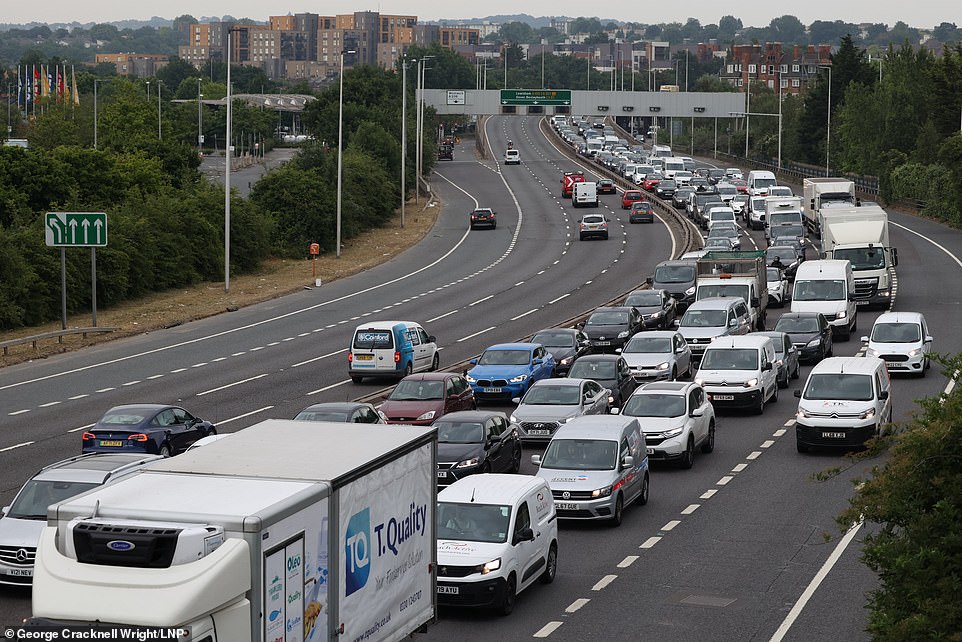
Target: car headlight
658	314
513	419
428	415
802	414
601	492
842	314
663	366
488	567
868	414
674	432
690	291
623	334
871	352
469	463
470	379
699	381
751	383
813	343
914	353
566	361
518	379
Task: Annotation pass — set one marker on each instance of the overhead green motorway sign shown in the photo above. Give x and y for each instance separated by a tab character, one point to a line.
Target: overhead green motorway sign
75	229
535	96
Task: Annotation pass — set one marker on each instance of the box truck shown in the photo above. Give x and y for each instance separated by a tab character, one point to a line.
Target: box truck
288	531
739	273
860	235
822	193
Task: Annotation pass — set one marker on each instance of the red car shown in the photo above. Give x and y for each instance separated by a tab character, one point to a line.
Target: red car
419	399
651	183
740	184
629	197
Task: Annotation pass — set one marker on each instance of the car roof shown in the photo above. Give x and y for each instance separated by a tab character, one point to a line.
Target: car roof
514	346
677	387
800	315
491	488
560	381
899	317
140	407
656	334
92	467
852	365
589	358
677	262
739	341
335	406
470	415
613	308
714	303
594	426
558	330
431	376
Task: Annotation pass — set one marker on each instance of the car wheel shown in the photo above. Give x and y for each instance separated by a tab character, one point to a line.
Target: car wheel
494	225
688	456
409	369
581	237
551	566
800	447
436	362
211	431
795	373
674	373
783	383
760	408
643	496
709	444
356	378
165	451
925	366
775	394
507	602
619	511
605	237
516	460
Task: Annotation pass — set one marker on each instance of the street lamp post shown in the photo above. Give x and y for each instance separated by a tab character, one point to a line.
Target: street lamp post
200	119
160	134
404	130
340	155
828	123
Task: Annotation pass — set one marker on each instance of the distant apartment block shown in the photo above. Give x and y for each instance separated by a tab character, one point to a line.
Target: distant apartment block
793	69
135	64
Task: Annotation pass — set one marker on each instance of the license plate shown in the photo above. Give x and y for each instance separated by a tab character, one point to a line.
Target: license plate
892	364
449	590
492	390
564	506
541	432
833	435
602	343
111	443
722	397
442	474
365	357
861	303
20	572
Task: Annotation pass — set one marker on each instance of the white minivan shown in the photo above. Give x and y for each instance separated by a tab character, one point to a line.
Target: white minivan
845	402
391	349
739	372
760	181
827	286
902	340
497	535
596	465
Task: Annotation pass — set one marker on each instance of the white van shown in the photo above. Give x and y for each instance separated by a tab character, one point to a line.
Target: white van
759	182
585	194
739	372
827	286
596	465
497	535
844	402
672	165
660	151
391	349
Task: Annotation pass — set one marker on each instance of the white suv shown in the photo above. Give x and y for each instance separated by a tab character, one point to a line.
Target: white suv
512	157
676	416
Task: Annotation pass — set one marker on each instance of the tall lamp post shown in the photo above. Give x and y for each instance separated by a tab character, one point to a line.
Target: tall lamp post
404	130
200	119
160	135
419	126
340	153
828	122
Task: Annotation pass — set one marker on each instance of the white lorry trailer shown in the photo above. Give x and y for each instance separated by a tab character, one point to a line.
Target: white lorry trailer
860	235
823	193
287	531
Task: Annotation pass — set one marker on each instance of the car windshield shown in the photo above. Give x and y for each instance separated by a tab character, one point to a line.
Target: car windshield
122	418
719	242
785	254
666	184
820	290
764	182
654	405
839	387
758	205
505	358
774	274
552	395
896	333
675	273
610	317
322	415
776	219
709	290
645	299
648	345
554	339
797	325
371	339
730	359
787	230
473	522
32	501
581	454
862	258
722	230
704	319
727	190
459	432
417	390
597	370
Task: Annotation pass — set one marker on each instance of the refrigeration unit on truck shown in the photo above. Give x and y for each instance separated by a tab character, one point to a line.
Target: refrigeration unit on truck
288	531
860	235
824	193
724	274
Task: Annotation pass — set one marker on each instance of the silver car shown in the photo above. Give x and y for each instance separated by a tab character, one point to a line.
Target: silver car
550	403
657	355
786	356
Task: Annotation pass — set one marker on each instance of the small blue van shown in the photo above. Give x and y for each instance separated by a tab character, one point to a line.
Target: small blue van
392	349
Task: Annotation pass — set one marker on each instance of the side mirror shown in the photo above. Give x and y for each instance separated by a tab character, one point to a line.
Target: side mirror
524	535
733	323
677	323
432	339
864	339
516	400
4	511
766	367
536	460
697	412
627	462
649	281
895	256
851	296
473	362
490	441
614	410
928	339
798	393
618	350
883	395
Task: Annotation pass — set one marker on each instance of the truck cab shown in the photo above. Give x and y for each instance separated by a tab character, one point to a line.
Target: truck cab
860	235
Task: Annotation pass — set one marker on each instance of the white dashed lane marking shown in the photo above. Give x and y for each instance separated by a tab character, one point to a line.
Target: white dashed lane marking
603	582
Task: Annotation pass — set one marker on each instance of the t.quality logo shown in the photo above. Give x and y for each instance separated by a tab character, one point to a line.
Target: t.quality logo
357	551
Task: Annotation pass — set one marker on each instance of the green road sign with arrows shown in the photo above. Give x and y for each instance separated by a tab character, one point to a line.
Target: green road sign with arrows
75	229
535	96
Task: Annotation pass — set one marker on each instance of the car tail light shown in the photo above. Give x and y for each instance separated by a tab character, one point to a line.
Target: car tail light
87	436
397	357
137	437
350	357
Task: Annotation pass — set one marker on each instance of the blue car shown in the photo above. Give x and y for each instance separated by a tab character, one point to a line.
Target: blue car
507	370
154	429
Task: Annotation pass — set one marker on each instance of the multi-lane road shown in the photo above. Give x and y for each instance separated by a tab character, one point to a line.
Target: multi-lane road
730	550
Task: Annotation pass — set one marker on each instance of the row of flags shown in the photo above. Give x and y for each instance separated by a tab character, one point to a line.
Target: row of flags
46	83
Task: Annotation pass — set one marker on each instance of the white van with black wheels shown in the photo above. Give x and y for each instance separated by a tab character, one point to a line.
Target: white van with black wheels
827	286
596	466
391	349
760	182
739	372
845	402
497	534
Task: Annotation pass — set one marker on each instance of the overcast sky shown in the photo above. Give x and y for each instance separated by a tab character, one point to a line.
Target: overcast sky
922	14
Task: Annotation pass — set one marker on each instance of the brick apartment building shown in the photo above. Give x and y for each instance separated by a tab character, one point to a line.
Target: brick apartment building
771	64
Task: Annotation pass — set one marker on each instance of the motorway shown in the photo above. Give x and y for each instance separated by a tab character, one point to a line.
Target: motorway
724	551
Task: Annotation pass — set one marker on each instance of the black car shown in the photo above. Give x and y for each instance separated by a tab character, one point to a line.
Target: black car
564	344
609	328
658	308
476	441
484	216
810	332
155	429
606	186
784	257
716	176
680	197
351	412
665	189
609	370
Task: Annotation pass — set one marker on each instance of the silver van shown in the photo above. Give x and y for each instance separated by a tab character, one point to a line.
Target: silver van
596	465
714	317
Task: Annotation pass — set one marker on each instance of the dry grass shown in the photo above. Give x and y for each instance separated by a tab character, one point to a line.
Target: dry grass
276	278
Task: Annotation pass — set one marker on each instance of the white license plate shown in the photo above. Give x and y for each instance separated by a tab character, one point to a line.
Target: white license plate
21	572
892	364
442	474
861	303
492	390
723	397
449	590
833	435
602	343
540	432
564	506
